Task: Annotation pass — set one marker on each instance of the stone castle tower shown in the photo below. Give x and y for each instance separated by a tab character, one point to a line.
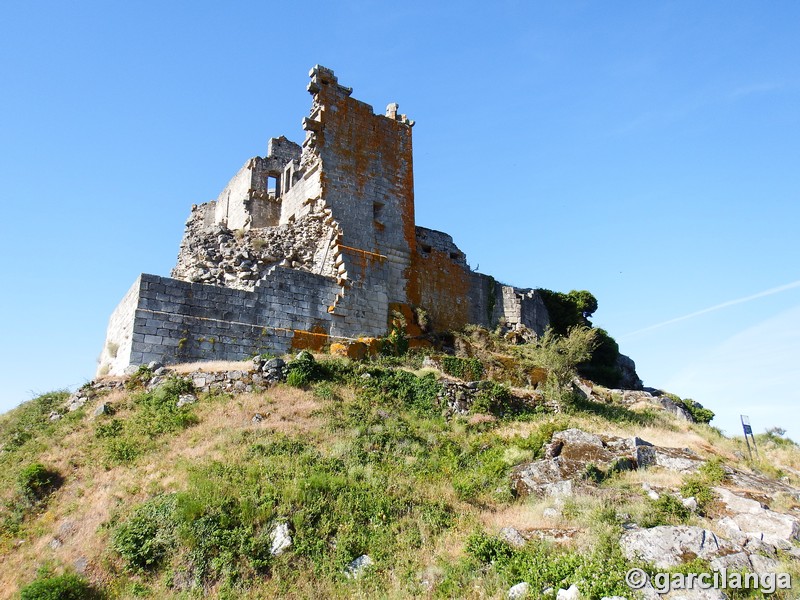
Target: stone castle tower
310	244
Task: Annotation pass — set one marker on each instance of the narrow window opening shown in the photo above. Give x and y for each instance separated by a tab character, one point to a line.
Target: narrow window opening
272	185
426	248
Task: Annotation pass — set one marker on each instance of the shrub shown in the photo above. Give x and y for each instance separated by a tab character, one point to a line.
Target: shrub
699	484
111	429
776	435
59	587
695	409
698	412
467	369
537	440
419	393
568	310
298	379
667	510
597	573
713	470
396	343
695	486
593	473
492	398
123	450
147	538
304	370
36	482
602	367
139	379
560	356
488	549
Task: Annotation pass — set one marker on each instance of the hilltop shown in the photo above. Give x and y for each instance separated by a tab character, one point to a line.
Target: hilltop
461	473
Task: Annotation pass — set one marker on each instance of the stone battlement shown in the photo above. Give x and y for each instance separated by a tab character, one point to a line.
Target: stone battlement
311	243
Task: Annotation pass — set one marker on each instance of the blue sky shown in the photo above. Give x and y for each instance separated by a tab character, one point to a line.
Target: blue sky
647	152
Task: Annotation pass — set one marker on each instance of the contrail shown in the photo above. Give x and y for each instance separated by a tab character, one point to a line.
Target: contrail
769	292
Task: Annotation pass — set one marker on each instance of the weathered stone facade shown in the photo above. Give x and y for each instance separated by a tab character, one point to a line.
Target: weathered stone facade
310	244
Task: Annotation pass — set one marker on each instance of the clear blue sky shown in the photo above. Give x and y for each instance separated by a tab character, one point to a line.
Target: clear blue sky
647	152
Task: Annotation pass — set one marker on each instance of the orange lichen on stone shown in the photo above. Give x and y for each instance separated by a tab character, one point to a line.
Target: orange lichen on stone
352	350
373	345
416	343
402	316
316	339
338	349
445	291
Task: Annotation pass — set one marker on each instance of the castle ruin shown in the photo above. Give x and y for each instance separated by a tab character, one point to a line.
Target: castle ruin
314	243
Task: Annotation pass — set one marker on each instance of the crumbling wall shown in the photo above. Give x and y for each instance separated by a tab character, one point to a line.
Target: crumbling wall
524	308
323	254
214	254
454	295
247	200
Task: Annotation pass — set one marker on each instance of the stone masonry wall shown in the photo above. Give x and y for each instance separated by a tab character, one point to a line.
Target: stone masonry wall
176	321
454	295
247	200
322	256
116	353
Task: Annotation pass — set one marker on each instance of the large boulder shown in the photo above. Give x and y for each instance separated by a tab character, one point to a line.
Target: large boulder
750	520
568	455
675	409
628	380
572	452
681	460
668	546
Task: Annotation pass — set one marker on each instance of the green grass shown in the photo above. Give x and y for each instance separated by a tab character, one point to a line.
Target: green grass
381	472
155	414
597	571
377	491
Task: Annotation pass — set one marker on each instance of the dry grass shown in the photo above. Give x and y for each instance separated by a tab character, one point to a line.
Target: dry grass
682	436
523	515
92	493
658	478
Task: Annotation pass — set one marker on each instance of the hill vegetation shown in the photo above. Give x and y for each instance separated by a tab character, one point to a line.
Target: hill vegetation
390	477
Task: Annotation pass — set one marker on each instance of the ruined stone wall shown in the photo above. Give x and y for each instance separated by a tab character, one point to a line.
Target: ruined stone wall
322	257
170	321
367	181
233	203
454	295
524	307
214	254
247	201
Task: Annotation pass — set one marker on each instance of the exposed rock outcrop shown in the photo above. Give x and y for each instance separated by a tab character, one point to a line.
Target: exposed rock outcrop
668	546
572	452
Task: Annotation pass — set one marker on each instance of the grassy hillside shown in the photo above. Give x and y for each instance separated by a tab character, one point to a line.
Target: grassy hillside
152	500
